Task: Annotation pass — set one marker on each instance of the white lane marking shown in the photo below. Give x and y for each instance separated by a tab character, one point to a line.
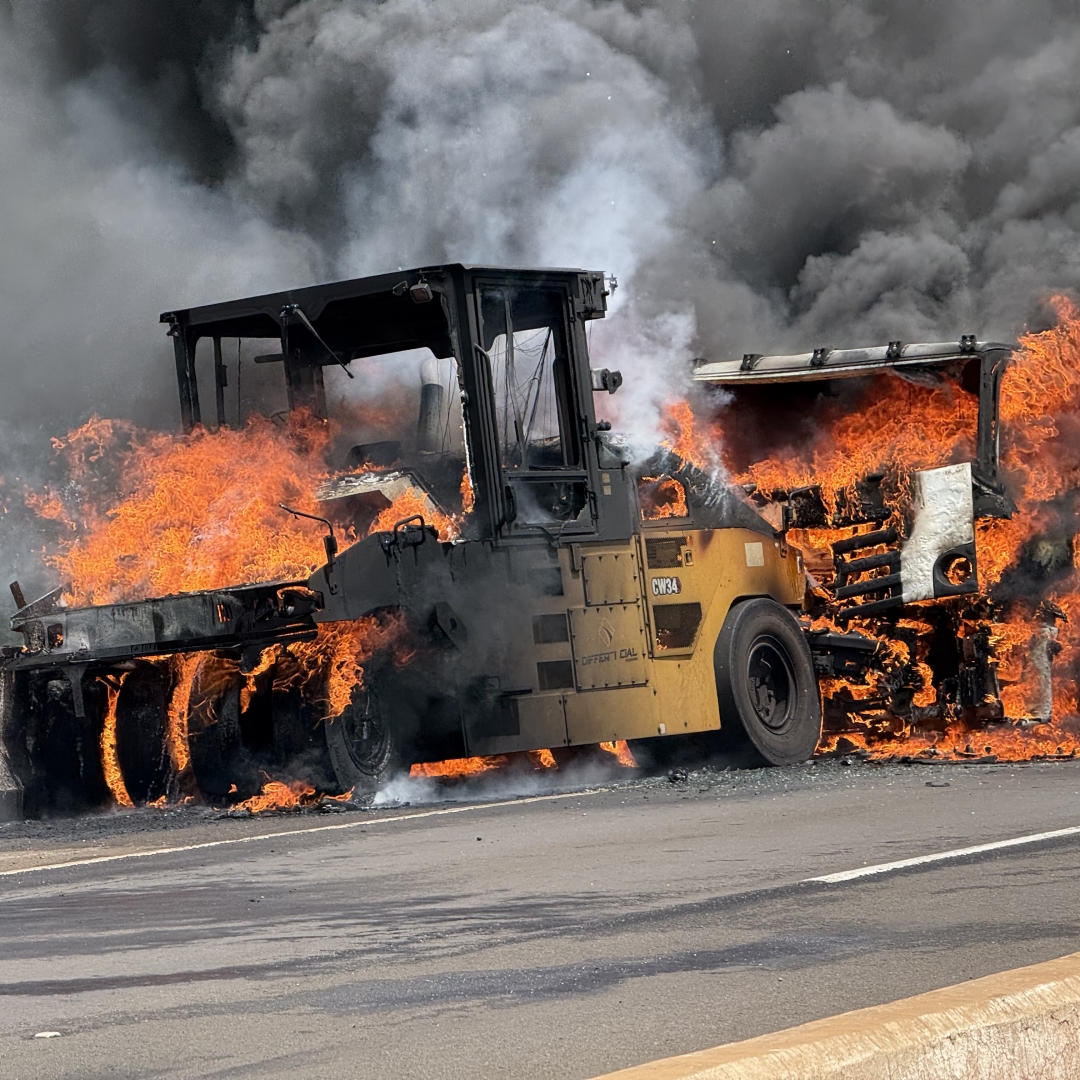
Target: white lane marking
296	832
940	856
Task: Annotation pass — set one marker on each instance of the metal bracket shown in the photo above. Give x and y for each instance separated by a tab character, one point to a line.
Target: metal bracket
75	673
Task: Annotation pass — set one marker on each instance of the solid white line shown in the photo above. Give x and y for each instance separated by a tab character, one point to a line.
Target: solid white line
295	832
940	856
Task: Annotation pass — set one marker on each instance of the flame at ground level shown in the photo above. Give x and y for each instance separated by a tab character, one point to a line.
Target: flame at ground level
958	743
539	759
622	753
279	796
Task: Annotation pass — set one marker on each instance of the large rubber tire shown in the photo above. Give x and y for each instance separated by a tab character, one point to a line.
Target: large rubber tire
216	749
363	743
140	733
766	685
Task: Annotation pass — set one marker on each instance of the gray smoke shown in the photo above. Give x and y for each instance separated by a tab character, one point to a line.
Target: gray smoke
760	174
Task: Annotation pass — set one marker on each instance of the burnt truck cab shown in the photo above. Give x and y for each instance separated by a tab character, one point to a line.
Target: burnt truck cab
895	552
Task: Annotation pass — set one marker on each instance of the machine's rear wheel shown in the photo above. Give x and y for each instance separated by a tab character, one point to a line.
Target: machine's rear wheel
140	732
363	744
766	685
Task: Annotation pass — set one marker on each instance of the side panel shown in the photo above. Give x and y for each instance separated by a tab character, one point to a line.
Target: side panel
709	569
537	721
611	577
609	646
599	641
530	650
629	713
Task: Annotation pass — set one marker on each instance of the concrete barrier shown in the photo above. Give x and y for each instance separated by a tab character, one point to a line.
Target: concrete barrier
1018	1025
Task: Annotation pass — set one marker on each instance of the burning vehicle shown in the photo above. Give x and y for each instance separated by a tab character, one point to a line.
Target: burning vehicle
498	574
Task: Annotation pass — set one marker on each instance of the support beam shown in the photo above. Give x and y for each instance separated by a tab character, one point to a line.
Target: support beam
184	350
221	380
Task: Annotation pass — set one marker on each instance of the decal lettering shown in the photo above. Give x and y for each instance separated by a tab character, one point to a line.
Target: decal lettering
597	658
666	586
629	655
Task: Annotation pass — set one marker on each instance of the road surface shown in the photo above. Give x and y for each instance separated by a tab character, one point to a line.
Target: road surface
563	935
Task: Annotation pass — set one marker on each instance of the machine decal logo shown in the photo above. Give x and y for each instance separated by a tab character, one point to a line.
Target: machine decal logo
666	586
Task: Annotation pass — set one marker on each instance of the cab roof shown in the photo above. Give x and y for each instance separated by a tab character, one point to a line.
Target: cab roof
837	363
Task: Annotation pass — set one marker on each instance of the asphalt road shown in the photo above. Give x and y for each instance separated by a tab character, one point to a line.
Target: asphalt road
563	936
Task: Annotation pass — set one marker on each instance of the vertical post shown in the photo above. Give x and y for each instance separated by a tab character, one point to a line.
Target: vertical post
190	414
221	380
992	367
990	497
303	378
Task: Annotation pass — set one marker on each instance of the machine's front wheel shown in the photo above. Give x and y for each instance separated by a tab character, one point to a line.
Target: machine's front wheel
363	745
766	685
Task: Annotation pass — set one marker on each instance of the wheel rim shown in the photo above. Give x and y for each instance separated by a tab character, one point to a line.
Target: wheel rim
366	734
772	684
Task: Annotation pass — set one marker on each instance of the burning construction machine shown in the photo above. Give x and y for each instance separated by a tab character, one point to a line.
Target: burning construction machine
586	598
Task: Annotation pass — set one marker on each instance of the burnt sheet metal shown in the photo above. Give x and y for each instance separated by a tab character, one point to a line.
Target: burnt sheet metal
942	533
248	616
713	504
389	485
839	363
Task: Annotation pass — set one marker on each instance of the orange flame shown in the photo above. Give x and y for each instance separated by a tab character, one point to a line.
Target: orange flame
468	766
196	511
661	497
684	439
414	503
184	667
279	796
109	760
622	753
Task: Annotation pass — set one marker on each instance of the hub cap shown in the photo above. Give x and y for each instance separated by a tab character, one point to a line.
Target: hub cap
367	736
772	684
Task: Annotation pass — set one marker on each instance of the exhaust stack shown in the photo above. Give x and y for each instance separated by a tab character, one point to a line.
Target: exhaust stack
428	433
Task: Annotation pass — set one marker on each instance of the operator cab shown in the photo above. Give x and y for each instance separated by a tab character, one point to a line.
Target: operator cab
469	386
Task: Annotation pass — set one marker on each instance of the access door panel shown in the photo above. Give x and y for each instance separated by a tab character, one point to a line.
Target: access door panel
608	646
611	577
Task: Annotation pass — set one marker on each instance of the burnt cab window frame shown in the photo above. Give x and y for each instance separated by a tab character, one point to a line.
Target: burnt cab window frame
490	295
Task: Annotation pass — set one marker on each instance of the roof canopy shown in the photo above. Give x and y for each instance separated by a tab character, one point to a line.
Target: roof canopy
838	363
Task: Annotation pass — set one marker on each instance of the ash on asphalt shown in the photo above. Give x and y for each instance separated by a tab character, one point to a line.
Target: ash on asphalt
407	794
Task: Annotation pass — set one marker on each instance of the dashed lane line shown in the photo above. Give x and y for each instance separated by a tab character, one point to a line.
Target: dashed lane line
441	812
940	856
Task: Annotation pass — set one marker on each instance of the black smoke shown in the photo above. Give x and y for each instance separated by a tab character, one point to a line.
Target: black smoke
760	174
